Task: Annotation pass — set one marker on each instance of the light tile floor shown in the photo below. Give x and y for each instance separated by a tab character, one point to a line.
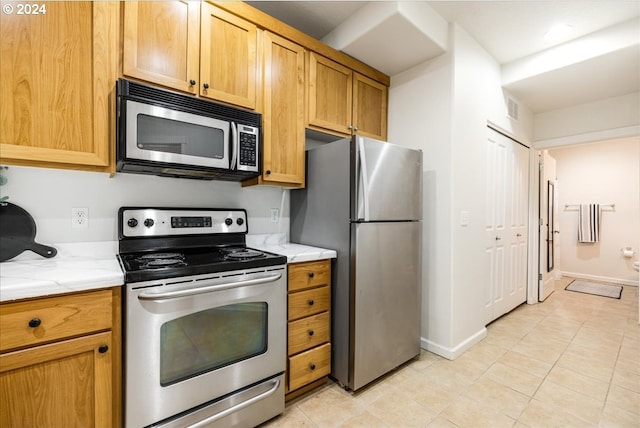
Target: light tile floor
572	361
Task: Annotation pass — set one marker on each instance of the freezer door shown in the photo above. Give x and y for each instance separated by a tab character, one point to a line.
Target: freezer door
388	181
386	298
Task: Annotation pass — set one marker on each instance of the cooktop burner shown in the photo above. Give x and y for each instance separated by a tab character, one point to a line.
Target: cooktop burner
242	254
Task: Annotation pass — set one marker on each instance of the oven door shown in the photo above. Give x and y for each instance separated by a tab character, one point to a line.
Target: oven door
160	134
190	343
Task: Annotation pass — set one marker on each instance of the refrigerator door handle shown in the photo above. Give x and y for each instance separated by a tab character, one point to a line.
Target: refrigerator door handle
365	178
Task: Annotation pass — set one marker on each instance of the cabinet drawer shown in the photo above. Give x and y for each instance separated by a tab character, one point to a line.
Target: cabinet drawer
308	332
309	366
308	275
38	321
309	302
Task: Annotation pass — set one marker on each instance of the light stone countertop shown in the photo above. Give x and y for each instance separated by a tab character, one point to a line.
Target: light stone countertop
92	265
76	267
277	243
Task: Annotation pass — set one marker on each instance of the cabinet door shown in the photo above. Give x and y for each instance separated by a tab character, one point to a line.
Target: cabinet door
162	43
64	384
369	108
228	57
330	95
54	91
283	111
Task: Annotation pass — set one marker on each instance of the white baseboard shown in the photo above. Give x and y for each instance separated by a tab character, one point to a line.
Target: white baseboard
455	352
601	278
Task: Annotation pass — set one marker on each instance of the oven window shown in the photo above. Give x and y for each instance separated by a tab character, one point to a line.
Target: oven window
210	339
159	134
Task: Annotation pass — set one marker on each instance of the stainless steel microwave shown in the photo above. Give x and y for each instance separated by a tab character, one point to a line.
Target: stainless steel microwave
165	133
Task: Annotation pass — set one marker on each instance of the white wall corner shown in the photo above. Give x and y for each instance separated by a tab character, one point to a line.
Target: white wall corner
451	353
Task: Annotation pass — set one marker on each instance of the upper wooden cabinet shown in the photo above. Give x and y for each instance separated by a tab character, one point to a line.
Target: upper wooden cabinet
192	47
283	112
344	102
57	70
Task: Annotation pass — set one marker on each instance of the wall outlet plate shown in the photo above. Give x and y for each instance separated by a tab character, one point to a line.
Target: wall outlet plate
80	218
275	215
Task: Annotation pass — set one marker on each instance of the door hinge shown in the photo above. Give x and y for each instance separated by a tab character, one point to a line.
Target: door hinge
539	277
540	222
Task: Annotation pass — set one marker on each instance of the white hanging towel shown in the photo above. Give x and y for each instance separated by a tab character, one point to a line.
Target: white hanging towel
589	223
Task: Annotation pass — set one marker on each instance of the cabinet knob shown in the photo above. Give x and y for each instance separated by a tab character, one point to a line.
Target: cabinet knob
35	322
192	82
103	348
205	85
350	127
311	302
311	275
356	129
312	366
268	172
310	332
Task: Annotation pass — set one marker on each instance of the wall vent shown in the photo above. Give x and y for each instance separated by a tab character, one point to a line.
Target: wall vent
512	108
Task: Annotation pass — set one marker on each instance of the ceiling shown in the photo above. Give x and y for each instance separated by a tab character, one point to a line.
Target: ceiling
512	32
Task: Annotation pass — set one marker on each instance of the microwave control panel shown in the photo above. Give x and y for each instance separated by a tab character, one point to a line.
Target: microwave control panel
248	155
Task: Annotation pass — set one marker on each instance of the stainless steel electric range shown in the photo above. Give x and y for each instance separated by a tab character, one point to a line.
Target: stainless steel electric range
205	320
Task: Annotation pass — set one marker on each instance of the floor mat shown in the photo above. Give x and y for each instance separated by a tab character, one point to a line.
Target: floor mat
596	288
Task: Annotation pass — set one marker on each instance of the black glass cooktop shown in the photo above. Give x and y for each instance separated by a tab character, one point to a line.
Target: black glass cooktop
153	265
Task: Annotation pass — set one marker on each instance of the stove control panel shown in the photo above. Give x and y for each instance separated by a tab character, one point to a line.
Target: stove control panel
135	222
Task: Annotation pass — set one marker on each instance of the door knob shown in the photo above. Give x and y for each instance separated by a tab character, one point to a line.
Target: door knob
498	238
519	235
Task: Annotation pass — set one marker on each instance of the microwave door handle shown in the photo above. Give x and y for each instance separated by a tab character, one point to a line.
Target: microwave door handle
234	146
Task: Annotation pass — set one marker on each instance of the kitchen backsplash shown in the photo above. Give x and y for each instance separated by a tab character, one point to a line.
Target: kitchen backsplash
50	194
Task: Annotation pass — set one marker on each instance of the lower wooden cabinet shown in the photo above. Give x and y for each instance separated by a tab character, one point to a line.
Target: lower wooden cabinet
60	361
309	326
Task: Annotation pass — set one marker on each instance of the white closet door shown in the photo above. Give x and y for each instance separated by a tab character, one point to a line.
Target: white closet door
506	223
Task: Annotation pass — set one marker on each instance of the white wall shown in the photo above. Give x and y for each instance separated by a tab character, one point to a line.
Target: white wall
49	194
419	118
442	107
604	173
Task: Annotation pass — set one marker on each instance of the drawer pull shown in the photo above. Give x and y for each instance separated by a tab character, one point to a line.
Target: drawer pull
35	322
103	348
312	366
310	332
311	275
311	302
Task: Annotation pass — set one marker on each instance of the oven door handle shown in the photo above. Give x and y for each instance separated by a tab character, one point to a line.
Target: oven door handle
208	289
237	407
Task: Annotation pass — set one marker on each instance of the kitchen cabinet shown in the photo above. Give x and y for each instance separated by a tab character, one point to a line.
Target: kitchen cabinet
57	74
192	47
309	326
282	112
344	102
60	361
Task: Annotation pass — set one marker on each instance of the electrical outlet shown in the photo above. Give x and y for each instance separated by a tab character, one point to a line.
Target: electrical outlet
275	215
80	218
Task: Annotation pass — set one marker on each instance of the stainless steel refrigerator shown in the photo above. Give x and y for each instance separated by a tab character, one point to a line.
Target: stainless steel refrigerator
363	198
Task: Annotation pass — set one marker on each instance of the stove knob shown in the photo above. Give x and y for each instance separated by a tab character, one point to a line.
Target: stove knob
228	221
148	222
132	222
240	221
